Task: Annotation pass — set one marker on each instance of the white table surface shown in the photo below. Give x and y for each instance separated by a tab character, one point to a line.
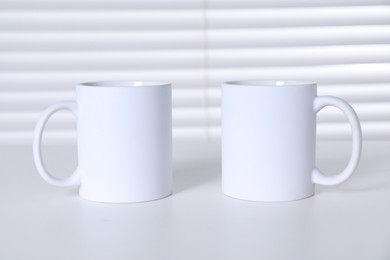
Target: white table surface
348	221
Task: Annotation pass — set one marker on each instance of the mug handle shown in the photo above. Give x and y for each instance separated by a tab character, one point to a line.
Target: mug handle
317	176
73	179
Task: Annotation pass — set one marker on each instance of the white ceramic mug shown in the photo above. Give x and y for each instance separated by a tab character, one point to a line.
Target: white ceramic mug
269	140
124	135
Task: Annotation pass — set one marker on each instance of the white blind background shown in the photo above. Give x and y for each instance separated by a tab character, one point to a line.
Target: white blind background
47	47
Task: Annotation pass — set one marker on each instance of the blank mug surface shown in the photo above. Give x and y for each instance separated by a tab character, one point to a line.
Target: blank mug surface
268	140
124	141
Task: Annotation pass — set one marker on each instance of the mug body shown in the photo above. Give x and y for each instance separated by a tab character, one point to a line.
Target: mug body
268	139
124	140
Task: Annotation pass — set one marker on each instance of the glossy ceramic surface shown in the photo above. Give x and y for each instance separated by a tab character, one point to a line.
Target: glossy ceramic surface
269	136
124	141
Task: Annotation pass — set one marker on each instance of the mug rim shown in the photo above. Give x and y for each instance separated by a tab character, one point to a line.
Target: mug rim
271	83
125	84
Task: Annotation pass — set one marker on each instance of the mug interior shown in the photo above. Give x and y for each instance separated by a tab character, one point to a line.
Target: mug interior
271	83
125	83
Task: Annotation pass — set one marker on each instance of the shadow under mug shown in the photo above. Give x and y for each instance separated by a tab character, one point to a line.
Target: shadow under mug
124	141
269	140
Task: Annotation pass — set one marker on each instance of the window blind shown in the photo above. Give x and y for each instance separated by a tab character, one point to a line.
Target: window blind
47	47
342	45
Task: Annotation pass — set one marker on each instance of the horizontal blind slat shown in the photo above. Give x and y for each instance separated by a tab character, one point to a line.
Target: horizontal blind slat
175	4
190	39
358	92
78	20
266	57
299	56
294	17
100	4
107	60
327	74
109	40
298	36
231	4
60	20
68	78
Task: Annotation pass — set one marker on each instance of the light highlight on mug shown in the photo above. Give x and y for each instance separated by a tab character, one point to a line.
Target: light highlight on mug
138	84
